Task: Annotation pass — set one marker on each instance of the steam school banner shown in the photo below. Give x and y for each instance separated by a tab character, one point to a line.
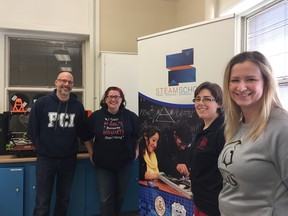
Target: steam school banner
171	66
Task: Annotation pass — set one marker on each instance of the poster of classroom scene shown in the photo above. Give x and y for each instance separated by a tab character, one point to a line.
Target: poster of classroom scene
171	65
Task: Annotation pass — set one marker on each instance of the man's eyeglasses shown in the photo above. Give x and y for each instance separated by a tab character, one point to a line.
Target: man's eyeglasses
204	100
115	97
182	144
64	81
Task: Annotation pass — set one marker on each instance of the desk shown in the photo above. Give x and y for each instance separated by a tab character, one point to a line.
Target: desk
162	200
15	159
84	196
162	186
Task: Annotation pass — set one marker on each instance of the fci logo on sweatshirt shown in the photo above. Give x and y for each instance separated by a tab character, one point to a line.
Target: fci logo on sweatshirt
66	120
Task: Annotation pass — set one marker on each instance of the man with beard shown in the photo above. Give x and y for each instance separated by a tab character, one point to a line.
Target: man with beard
55	122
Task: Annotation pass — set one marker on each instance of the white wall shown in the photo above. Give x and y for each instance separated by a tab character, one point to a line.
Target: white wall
71	16
2	77
121	70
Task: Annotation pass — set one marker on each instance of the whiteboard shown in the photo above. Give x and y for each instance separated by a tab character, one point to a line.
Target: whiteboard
120	69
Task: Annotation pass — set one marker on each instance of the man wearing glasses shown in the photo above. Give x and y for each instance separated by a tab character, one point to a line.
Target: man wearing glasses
173	149
55	122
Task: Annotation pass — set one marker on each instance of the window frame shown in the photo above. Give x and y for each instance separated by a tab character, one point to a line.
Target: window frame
43	89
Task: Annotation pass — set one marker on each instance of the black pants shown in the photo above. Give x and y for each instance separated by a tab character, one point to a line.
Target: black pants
47	171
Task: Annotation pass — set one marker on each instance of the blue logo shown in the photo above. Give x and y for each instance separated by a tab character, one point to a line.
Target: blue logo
181	69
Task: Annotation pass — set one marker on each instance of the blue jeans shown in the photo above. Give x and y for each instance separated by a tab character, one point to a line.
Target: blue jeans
47	169
111	185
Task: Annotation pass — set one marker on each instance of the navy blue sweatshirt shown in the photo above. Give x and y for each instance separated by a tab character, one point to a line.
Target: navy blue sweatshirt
115	137
54	125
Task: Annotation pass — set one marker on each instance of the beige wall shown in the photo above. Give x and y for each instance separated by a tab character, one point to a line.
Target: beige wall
226	4
190	11
123	21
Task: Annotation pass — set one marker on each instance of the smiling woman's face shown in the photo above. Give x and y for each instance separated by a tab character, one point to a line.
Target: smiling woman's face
246	85
113	101
152	142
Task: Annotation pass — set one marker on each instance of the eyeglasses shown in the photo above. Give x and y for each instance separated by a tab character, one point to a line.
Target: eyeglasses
64	81
204	100
182	144
116	97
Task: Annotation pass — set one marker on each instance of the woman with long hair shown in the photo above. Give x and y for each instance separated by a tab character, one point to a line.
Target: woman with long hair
254	162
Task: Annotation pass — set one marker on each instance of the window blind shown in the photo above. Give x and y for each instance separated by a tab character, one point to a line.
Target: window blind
267	32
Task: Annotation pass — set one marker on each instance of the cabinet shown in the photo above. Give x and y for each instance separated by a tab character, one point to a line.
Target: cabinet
78	192
29	188
12	191
18	190
131	202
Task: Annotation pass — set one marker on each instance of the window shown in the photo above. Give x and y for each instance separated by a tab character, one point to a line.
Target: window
33	67
267	32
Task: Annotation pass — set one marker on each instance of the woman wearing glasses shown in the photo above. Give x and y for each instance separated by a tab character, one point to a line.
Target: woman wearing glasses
114	130
206	180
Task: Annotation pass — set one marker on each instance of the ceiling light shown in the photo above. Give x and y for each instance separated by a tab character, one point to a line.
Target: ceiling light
62	55
66	68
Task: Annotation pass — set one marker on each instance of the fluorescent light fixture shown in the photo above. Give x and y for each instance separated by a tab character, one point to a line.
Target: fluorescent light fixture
66	68
241	7
62	55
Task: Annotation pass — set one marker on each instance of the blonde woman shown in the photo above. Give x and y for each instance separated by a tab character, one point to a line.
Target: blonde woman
254	162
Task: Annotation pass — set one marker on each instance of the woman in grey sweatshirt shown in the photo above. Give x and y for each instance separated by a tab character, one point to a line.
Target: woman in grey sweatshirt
254	162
